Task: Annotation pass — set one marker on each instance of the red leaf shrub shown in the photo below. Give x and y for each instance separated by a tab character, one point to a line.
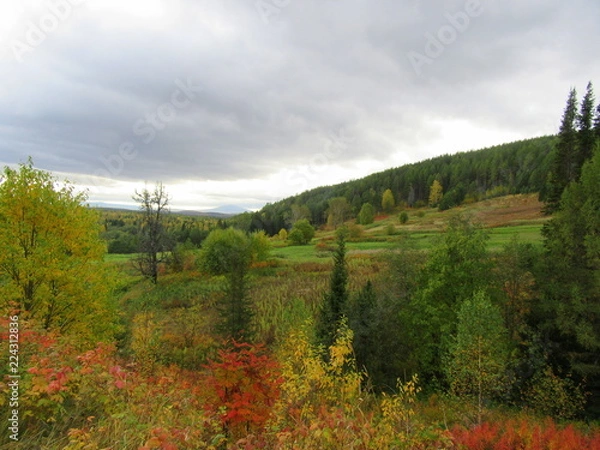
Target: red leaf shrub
244	382
525	435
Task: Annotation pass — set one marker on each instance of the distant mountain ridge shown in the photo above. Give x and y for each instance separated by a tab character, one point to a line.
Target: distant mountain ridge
228	209
115	206
220	212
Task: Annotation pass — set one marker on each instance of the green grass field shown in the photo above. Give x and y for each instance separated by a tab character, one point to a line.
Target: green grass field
119	258
503	218
498	238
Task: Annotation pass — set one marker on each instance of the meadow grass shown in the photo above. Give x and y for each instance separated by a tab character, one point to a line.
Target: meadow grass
298	253
529	234
422	240
119	257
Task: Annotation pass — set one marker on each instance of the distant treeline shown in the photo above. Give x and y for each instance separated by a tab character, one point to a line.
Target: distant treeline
121	230
513	168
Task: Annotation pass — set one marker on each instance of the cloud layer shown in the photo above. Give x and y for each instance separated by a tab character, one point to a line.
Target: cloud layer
247	102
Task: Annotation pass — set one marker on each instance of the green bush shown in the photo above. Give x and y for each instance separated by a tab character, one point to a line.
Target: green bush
355	232
366	214
302	232
403	217
551	395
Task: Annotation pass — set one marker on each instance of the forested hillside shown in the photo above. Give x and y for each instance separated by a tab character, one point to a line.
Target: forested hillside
518	167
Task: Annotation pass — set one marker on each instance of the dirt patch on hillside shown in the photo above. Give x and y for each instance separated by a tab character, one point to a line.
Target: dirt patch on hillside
510	210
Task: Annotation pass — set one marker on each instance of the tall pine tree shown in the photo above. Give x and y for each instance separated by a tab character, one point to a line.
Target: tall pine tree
585	123
336	298
361	319
563	170
597	123
571	278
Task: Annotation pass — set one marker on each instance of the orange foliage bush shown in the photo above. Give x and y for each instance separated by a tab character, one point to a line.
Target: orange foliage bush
524	435
244	385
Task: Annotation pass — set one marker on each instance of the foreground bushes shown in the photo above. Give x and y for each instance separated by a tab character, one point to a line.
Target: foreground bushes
247	398
525	435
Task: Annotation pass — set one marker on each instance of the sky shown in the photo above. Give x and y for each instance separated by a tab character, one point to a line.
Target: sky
246	102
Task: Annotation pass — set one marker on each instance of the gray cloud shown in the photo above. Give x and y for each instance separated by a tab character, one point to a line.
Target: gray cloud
272	93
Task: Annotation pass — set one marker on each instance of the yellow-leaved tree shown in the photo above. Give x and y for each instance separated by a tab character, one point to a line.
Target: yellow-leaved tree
51	268
436	193
310	382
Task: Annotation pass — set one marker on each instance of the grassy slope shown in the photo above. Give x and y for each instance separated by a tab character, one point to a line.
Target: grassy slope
503	217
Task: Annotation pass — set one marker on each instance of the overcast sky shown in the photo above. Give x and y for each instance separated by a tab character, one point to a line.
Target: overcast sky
249	101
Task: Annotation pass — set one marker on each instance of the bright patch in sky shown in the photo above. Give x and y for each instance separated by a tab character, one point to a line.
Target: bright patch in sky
138	9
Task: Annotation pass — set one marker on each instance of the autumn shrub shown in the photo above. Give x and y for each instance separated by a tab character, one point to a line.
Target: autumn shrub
323	248
355	232
524	434
264	264
145	341
310	383
390	229
551	395
331	429
62	387
282	235
322	405
183	257
312	267
74	400
398	411
243	385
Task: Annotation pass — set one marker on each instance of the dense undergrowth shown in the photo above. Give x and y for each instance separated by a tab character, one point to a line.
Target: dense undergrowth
251	397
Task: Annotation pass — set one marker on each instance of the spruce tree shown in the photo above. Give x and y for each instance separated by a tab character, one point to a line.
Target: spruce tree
563	169
336	298
361	319
571	270
597	123
585	123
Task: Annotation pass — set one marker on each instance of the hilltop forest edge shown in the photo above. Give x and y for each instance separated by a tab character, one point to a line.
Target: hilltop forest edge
228	346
